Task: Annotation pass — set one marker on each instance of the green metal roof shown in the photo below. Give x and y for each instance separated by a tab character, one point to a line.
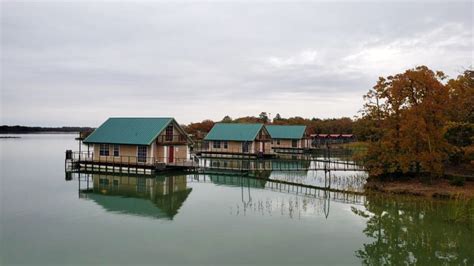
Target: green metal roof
162	206
286	132
130	130
234	131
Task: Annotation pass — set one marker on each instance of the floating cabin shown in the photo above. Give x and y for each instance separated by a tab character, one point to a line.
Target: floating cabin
287	137
325	139
237	139
139	141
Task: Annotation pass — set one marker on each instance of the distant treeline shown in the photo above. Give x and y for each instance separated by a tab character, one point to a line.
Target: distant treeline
342	125
25	129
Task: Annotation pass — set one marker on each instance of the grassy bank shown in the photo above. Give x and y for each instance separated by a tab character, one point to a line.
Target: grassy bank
439	188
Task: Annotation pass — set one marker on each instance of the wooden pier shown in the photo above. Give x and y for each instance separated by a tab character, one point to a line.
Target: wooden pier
243	165
149	165
78	161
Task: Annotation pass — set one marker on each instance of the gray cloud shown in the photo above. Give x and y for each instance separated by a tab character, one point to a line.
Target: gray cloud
71	63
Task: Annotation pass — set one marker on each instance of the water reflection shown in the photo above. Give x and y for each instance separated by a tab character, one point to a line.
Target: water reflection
399	231
293	207
290	200
319	173
158	197
162	196
416	231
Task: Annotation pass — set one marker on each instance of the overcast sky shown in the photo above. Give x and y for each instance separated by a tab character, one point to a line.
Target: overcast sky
71	63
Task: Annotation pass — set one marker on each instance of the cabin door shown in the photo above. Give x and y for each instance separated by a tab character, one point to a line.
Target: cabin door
171	154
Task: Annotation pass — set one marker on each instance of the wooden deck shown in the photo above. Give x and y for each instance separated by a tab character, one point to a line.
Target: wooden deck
124	164
74	162
232	155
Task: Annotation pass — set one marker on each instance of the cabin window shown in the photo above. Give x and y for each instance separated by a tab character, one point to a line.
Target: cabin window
169	133
226	144
245	146
278	141
104	150
141	154
216	144
294	143
116	150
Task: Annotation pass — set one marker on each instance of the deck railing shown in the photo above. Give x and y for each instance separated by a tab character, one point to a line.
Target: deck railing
90	157
170	139
230	148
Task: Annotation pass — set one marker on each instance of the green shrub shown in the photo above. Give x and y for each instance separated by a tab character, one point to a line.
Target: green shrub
458	181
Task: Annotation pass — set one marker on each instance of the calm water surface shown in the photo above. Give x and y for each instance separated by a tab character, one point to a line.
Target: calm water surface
210	219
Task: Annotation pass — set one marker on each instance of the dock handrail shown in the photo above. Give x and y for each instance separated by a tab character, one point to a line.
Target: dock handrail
128	160
168	139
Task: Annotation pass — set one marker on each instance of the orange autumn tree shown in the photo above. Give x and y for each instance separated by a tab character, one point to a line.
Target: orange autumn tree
408	113
460	130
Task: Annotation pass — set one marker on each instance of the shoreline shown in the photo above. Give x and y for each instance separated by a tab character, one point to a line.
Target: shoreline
438	189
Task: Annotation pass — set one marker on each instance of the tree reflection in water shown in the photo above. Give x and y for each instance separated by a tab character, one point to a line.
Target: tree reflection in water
417	231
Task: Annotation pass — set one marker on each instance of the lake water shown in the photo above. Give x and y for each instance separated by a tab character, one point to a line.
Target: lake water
214	219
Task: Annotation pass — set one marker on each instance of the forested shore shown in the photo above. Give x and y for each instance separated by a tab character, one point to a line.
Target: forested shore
5	129
415	124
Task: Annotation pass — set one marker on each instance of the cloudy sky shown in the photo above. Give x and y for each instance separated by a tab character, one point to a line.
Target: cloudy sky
71	63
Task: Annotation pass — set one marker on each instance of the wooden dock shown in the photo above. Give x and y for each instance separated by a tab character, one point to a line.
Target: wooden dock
129	164
78	161
242	165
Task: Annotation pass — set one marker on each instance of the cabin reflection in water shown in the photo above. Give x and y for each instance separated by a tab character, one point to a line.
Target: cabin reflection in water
160	197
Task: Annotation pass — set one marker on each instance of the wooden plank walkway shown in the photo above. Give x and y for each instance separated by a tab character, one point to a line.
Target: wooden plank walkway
207	164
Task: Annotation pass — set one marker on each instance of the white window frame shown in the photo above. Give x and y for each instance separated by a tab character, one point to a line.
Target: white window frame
118	150
104	150
138	152
169	137
246	147
294	143
216	144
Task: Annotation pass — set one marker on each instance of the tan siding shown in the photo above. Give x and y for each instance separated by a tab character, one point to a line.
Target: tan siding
263	135
232	146
286	143
128	153
180	152
236	147
176	131
159	153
